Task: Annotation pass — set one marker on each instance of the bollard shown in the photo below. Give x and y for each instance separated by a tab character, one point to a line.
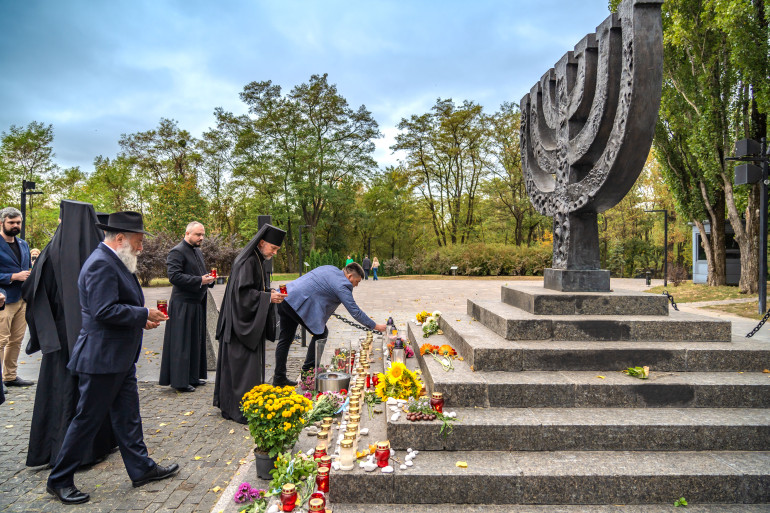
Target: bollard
648	275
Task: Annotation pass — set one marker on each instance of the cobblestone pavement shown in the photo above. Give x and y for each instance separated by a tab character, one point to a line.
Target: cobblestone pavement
186	429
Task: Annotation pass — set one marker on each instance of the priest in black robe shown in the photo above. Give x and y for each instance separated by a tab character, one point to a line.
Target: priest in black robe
183	361
54	321
243	323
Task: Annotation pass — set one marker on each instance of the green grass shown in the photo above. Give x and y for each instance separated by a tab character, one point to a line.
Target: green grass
687	292
445	277
748	309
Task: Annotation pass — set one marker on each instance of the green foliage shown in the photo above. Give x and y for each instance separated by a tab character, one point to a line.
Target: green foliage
299	470
680	502
486	260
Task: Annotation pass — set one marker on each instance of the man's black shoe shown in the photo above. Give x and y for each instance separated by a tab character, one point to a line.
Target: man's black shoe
200	383
188	388
284	382
68	494
157	474
18	382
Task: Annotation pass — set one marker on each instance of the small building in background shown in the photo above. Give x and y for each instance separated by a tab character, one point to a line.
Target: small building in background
732	255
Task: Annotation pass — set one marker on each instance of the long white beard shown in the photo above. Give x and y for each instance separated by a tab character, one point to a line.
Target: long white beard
128	256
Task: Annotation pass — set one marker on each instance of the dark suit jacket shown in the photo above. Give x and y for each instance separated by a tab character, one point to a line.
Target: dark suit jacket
9	265
185	268
114	316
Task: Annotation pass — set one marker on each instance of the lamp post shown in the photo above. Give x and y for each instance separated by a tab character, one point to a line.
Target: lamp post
27	189
749	150
665	243
301	269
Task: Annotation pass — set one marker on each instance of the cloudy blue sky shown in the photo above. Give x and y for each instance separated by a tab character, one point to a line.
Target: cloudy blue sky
98	69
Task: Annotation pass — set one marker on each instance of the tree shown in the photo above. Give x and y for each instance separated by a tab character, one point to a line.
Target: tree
446	156
25	154
715	91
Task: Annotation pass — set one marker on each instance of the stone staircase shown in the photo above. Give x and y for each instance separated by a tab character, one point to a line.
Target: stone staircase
547	419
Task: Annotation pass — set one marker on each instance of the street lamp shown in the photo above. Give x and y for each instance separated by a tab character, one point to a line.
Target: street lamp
665	243
27	189
749	150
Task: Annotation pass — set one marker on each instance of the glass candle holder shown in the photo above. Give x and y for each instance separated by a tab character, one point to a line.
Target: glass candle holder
328	420
355	418
382	454
354	410
347	454
288	497
350	435
283	290
322	480
353	427
316	505
320	452
319	495
213	272
326	427
437	402
398	352
163	306
326	461
323	440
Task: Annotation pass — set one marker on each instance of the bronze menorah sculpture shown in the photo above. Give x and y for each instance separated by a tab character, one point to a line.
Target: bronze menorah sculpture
586	131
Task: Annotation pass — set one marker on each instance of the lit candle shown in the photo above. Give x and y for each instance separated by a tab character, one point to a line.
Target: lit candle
347	454
322	480
288	497
317	505
323	440
382	454
437	402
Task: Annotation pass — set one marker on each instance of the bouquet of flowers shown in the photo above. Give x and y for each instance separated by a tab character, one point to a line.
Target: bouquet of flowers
339	360
408	351
307	379
248	495
422	316
275	416
430	326
442	354
326	405
398	382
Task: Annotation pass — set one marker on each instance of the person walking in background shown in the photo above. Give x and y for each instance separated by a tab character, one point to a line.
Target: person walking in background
375	266
105	356
33	254
348	260
367	265
55	318
14	270
183	360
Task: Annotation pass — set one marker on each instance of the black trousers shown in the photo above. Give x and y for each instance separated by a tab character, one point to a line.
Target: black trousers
116	394
289	320
366	274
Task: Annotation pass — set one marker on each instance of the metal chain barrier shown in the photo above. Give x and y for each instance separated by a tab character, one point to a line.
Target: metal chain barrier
758	326
356	325
671	298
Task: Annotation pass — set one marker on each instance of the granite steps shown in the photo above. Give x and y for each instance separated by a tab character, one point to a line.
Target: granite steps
515	508
484	350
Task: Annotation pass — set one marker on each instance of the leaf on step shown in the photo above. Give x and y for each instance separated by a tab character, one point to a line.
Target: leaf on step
216	489
600	377
232	431
462	464
197	458
766	371
163	424
187	414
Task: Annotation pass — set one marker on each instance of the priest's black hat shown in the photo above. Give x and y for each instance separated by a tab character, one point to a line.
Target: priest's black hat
124	222
273	235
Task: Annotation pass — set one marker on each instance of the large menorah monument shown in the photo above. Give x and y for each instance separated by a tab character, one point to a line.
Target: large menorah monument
586	131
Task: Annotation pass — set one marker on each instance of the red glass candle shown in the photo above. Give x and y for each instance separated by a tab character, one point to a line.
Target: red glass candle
322	480
368	381
317	504
326	462
320	452
382	454
163	306
283	289
375	380
288	497
352	358
437	402
319	495
213	272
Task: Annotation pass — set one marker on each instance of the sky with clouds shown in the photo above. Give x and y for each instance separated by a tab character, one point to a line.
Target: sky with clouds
98	69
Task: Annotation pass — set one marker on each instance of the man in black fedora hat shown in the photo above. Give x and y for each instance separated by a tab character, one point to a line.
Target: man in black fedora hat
104	358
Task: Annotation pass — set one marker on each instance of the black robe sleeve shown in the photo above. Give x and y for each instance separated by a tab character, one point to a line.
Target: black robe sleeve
175	264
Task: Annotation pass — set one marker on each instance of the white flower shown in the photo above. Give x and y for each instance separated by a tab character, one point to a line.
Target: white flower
436	314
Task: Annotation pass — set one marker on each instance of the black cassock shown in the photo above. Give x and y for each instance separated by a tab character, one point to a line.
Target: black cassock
54	321
183	361
241	331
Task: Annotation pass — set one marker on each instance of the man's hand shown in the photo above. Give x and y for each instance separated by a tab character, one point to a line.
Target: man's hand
20	276
277	297
206	279
149	325
2	299
156	316
380	327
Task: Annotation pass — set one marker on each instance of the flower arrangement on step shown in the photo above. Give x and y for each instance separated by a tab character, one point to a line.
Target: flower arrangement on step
408	351
422	316
275	417
299	469
637	372
307	379
339	360
444	354
398	382
326	404
422	407
430	325
252	498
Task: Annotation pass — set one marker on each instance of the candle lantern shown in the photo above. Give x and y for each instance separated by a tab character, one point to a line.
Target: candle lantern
350	435
328	420
321	496
317	505
323	440
288	497
320	452
437	402
163	306
322	480
355	410
398	351
355	418
347	454
326	461
382	454
326	426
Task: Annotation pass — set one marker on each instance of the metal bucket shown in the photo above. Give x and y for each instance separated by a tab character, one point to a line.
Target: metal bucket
332	381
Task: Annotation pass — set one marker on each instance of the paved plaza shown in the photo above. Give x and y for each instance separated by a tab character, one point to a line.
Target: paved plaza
187	429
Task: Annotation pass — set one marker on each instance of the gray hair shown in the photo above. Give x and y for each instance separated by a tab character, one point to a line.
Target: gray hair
192	225
9	213
110	235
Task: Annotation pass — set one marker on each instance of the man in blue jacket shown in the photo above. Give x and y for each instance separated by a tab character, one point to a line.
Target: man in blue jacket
14	270
104	358
312	299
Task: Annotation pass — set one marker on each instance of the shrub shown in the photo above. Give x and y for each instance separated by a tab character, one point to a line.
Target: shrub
152	261
677	274
220	252
394	266
485	260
